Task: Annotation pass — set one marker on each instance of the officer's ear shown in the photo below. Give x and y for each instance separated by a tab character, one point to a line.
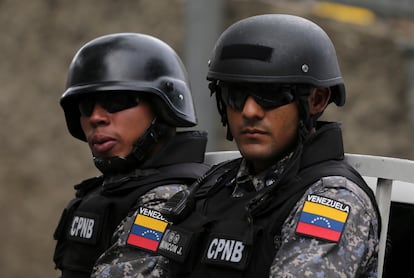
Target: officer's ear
318	100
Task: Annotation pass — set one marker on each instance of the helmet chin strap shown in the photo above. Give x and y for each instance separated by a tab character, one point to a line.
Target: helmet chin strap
221	107
140	150
307	121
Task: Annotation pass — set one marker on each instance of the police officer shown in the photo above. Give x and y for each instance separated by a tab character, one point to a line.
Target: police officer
125	96
290	206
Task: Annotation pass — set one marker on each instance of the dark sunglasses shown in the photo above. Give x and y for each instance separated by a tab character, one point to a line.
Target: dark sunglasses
268	96
112	103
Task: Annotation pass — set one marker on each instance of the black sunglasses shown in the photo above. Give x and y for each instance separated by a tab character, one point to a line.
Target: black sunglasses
268	96
112	103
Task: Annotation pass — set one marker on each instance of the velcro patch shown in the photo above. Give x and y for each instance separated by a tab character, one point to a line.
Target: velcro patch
84	227
226	251
147	230
323	218
175	244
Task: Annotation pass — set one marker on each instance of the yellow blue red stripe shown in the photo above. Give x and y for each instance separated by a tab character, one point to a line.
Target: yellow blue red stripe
322	221
146	232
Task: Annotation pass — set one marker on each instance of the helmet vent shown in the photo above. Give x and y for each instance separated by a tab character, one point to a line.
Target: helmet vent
246	51
169	86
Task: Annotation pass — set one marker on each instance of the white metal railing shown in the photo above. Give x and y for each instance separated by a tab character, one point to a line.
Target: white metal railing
387	171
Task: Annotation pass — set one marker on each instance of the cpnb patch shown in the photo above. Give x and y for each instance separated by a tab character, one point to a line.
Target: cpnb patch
323	218
84	227
147	230
226	251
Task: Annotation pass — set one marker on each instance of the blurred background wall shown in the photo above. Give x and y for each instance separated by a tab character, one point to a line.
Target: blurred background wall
40	161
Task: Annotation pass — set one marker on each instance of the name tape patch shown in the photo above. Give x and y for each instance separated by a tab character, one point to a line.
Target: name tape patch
175	243
323	218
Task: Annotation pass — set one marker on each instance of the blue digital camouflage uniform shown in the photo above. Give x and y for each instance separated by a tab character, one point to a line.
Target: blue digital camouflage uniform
120	260
355	253
298	256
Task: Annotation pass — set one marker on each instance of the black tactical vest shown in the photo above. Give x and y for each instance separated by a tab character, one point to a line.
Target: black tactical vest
239	237
88	222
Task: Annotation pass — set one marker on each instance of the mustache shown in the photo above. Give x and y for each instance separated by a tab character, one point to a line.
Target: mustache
252	127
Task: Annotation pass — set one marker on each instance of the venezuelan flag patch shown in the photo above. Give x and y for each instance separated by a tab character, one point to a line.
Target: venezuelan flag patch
323	218
147	230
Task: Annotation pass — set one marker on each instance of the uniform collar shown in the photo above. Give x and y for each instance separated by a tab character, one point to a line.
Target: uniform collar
245	181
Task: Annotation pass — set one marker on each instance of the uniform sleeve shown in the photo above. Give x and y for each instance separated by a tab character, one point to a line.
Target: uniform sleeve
332	232
121	260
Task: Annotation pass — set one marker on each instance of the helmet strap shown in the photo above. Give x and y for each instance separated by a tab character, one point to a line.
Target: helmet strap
307	121
221	107
140	151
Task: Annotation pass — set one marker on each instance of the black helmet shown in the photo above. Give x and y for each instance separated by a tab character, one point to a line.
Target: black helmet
129	62
277	48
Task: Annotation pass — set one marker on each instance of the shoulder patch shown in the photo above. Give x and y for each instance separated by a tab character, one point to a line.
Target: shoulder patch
147	230
322	218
